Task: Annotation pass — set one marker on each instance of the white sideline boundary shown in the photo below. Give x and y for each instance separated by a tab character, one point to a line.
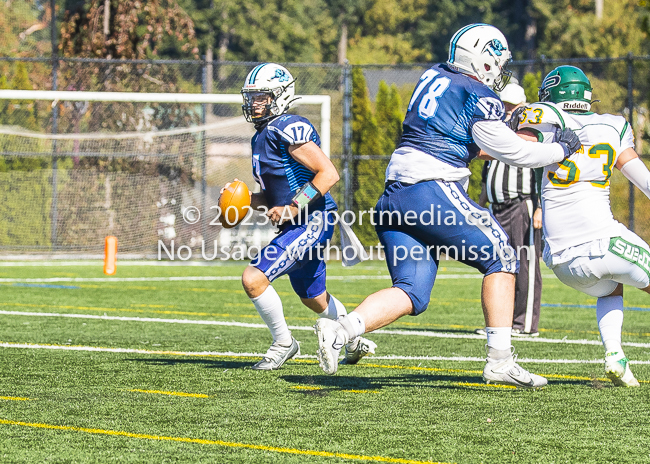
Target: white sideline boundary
407	333
35	346
206	278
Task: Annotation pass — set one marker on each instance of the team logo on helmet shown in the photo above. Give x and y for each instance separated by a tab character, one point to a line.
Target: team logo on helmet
281	75
494	47
551	81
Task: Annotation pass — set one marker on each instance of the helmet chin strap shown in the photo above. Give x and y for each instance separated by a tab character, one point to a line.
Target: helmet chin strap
478	74
291	101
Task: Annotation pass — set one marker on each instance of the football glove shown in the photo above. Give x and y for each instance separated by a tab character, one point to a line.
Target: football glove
513	122
569	140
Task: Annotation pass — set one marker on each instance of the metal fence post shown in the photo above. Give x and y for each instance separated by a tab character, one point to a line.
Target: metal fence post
542	66
630	105
55	126
204	184
347	135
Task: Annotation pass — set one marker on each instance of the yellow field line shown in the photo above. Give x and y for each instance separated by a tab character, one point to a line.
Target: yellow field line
359	391
578	377
466	371
153	306
313	388
417	368
193	395
229	444
468	384
13	398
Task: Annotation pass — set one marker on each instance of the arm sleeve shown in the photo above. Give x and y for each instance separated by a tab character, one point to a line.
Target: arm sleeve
638	174
498	141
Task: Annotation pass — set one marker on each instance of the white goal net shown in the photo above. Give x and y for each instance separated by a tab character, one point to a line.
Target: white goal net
78	166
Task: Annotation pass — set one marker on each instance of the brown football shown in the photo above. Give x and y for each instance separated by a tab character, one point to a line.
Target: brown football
234	203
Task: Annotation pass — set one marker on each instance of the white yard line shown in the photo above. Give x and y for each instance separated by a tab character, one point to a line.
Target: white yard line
208	278
230	354
406	333
119	279
99	263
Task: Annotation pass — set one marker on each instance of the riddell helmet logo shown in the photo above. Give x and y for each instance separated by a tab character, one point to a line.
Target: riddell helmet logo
575	106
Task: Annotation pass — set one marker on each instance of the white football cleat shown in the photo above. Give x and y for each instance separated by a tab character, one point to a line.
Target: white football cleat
617	369
277	355
506	371
357	349
331	338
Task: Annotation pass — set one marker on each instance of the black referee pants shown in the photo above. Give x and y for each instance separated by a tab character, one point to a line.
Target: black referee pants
516	218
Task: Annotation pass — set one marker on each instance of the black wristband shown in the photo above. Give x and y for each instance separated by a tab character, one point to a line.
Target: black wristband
307	195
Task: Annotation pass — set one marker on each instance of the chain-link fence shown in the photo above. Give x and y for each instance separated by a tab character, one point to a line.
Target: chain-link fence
65	195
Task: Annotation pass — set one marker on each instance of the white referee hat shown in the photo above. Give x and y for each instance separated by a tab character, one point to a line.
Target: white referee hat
513	93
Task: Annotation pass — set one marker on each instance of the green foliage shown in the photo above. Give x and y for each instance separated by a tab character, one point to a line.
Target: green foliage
392	31
273	30
569	28
374	134
611	96
138	29
389	116
25	191
22	114
531	84
366	141
24	28
474	187
25	198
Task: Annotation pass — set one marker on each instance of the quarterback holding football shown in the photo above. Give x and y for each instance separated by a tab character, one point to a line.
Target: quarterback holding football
295	177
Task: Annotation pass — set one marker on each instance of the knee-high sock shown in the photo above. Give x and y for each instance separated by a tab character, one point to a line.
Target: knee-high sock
269	307
609	311
334	310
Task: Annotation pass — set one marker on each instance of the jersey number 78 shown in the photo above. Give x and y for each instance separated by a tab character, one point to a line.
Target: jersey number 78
429	104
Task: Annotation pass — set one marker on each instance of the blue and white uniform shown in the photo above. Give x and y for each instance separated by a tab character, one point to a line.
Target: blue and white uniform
450	118
295	251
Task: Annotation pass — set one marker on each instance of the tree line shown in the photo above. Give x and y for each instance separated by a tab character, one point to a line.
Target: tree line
312	31
319	31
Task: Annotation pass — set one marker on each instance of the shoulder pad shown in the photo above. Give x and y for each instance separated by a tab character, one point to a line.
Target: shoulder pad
285	119
542	113
292	128
618	122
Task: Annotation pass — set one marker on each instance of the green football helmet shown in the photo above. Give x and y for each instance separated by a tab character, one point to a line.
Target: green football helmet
569	87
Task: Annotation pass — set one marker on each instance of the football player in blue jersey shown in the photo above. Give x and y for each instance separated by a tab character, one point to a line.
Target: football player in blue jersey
453	113
295	177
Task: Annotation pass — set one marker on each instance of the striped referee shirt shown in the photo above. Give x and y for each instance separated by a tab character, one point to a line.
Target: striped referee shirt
505	183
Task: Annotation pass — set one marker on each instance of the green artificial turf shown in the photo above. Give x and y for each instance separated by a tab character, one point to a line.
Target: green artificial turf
64	405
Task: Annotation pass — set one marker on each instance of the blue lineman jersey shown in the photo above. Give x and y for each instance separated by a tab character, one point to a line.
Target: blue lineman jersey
444	107
437	142
277	172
